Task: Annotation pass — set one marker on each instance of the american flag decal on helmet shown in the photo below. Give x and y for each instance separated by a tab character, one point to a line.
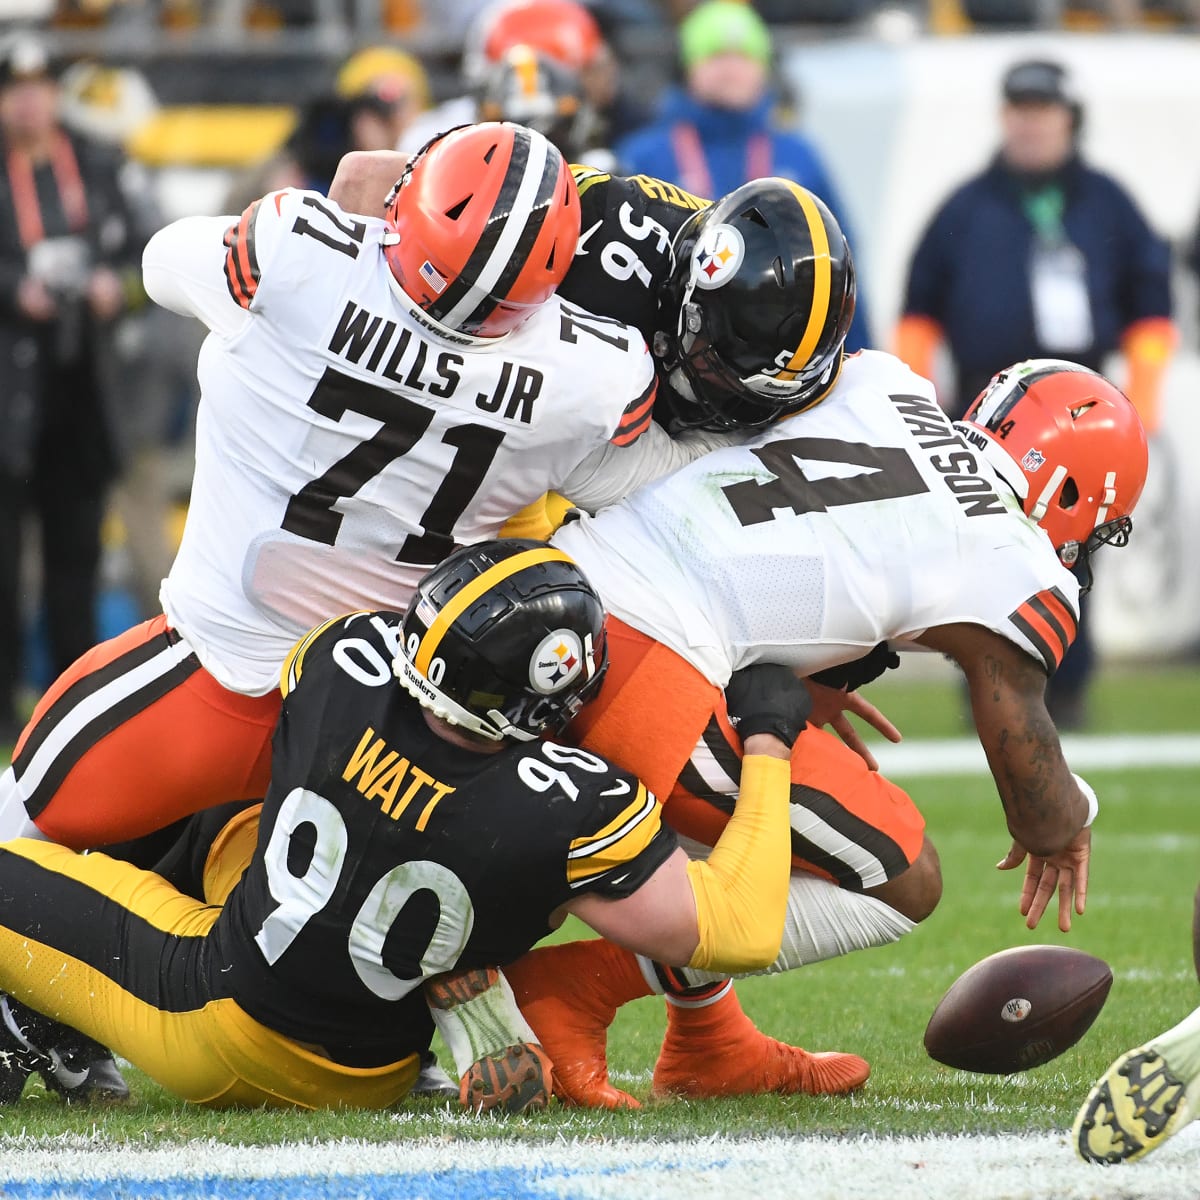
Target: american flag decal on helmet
430	274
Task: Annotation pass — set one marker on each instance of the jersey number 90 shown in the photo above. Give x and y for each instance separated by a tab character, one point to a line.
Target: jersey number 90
301	897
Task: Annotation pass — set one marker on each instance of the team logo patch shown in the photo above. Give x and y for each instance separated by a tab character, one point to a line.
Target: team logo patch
1034	460
717	256
430	274
556	661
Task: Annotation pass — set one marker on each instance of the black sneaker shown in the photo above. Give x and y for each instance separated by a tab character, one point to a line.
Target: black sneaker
72	1065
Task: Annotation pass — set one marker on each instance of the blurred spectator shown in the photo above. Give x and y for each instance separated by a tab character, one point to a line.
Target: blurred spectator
719	130
1041	256
109	104
380	91
69	266
563	32
392	75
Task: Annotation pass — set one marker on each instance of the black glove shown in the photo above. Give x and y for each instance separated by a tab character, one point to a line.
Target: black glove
767	698
853	675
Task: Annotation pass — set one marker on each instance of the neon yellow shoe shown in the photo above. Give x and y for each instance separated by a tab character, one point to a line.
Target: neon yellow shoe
1146	1096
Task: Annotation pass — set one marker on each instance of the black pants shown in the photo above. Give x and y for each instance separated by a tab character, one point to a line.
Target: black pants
66	496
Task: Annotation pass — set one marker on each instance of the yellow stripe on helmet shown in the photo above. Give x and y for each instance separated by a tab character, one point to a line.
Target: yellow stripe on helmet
466	596
822	278
526	63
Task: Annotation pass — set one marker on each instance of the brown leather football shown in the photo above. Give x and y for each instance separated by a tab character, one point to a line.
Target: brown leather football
1018	1009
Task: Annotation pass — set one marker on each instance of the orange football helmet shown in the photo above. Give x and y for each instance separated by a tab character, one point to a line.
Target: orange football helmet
484	224
563	30
1072	447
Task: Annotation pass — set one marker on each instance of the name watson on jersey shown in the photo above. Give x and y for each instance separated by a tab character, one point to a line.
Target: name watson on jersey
933	431
415	364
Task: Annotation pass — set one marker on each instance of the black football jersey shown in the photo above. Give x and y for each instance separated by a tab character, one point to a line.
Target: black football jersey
624	253
387	855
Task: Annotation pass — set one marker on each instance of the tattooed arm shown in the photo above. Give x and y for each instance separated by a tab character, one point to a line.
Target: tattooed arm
1043	804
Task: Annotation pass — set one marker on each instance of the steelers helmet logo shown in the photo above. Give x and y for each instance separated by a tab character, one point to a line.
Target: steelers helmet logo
717	256
557	660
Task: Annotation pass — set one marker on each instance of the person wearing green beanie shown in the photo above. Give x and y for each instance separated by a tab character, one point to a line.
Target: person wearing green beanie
723	27
719	130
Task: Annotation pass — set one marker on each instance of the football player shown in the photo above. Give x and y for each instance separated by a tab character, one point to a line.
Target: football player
375	391
746	303
1149	1094
870	521
408	831
769	339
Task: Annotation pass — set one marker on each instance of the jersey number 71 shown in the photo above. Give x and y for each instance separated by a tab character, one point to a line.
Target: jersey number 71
310	512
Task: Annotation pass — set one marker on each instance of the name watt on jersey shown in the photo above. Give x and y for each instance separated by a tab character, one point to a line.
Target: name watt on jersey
380	771
932	430
413	363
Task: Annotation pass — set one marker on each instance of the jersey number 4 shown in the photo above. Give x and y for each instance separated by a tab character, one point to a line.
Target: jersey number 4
886	473
311	512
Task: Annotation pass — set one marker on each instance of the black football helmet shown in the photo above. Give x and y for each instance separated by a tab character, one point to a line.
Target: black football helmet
759	300
505	639
533	90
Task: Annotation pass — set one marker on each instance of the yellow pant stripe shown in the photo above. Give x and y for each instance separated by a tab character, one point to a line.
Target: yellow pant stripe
214	1054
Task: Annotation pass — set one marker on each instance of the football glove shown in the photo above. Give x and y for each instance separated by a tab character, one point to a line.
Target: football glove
767	698
853	675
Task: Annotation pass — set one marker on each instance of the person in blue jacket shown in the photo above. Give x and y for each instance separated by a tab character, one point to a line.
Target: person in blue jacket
719	130
1041	256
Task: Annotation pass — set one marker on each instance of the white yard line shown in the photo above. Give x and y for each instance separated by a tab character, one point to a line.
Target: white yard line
1085	752
862	1168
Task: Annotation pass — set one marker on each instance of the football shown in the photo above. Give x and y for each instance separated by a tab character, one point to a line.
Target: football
1017	1009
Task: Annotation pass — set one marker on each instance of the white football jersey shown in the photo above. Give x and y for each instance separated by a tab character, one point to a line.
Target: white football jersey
868	518
344	444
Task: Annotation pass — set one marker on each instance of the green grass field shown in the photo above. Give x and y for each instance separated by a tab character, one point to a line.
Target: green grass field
1145	869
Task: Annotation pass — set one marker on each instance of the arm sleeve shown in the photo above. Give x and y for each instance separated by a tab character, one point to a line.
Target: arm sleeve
610	473
741	891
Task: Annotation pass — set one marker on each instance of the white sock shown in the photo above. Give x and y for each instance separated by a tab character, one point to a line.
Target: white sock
1180	1046
486	1024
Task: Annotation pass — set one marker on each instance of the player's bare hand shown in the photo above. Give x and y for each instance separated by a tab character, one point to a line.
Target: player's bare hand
830	706
1065	872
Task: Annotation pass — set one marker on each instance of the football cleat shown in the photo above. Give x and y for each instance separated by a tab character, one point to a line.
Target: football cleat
71	1064
716	1051
1138	1103
571	993
514	1080
501	1066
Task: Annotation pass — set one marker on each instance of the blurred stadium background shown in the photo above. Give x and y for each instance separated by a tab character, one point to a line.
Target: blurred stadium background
210	97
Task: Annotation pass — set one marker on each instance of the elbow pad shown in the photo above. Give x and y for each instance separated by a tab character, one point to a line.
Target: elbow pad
741	891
